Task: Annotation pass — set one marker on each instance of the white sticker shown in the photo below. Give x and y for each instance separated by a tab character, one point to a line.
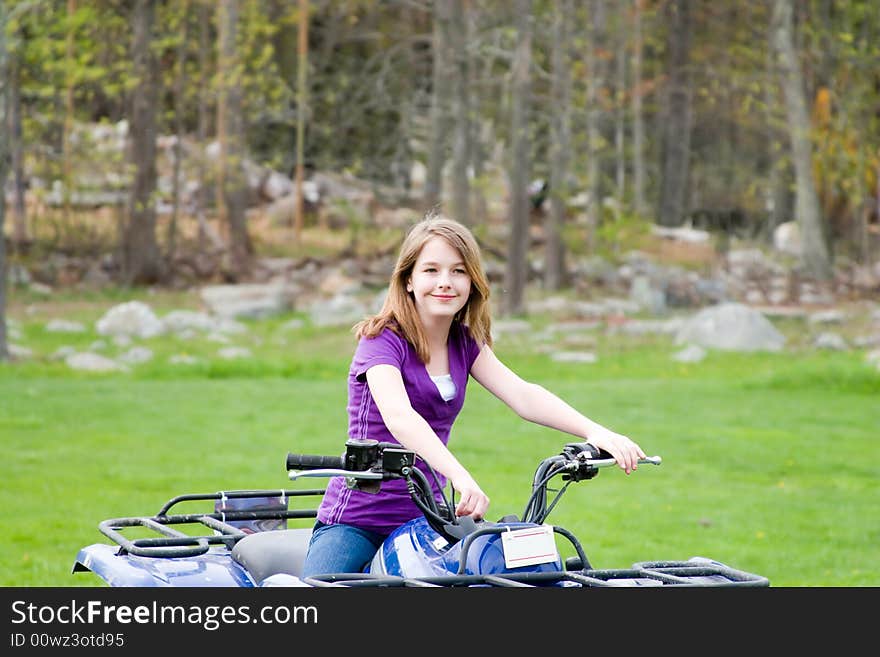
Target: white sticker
529	546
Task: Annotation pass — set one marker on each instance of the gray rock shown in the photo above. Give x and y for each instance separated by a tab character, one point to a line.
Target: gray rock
64	326
573	357
93	363
732	327
253	301
690	354
831	341
133	318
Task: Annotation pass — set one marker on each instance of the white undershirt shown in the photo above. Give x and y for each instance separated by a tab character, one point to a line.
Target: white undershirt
445	385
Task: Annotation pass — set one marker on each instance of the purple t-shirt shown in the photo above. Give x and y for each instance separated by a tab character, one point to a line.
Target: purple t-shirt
391	506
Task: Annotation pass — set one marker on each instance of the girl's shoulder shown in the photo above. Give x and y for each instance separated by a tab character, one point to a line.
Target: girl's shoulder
386	338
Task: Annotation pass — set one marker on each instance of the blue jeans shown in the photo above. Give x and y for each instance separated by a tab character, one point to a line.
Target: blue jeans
340	549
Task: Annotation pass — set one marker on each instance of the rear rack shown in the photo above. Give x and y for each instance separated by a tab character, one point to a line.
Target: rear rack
174	543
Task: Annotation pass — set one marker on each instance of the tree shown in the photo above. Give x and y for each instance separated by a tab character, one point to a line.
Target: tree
516	270
205	231
180	84
593	110
230	127
815	254
638	151
141	257
460	112
554	254
442	56
4	167
20	238
676	124
302	110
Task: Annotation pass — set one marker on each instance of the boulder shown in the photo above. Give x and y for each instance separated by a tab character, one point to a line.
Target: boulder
731	327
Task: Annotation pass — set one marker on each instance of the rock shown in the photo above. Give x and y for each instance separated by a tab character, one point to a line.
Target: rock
178	321
18	352
93	363
337	311
64	326
831	341
132	318
573	357
253	301
183	359
690	354
230	353
732	327
787	238
137	355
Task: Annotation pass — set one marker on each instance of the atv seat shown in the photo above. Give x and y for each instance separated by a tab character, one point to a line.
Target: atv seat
271	552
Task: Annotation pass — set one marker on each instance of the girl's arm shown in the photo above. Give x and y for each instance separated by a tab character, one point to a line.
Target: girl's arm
414	432
537	404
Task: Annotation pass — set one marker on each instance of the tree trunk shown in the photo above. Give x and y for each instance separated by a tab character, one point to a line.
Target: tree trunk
477	150
231	123
675	156
595	75
516	272
460	112
815	254
440	92
638	120
205	231
20	238
67	127
620	60
141	261
301	113
554	254
179	86
4	167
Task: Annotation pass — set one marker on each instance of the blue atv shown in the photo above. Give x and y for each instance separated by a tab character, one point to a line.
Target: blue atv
245	540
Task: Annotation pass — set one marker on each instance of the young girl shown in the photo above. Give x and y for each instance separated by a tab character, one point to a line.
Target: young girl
407	385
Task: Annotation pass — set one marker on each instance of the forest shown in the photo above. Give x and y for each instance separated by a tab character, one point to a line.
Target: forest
154	137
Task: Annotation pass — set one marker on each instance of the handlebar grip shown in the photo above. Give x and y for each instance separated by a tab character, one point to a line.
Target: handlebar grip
314	462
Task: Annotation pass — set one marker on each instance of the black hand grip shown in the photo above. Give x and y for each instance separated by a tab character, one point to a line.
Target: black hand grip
573	450
314	462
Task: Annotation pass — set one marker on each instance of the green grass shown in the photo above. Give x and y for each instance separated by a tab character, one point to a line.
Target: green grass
770	461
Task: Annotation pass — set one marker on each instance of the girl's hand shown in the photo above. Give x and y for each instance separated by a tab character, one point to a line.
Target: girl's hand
473	501
625	451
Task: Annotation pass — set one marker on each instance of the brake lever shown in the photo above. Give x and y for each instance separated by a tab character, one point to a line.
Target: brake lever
333	472
604	463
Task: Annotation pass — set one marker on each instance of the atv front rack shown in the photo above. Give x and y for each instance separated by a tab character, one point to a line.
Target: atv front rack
225	524
695	572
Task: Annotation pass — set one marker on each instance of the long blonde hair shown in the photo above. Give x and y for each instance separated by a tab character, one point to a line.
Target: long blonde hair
399	309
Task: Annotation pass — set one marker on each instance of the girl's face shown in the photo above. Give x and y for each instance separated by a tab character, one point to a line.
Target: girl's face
439	281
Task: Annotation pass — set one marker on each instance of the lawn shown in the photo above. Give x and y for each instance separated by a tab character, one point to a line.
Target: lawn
770	461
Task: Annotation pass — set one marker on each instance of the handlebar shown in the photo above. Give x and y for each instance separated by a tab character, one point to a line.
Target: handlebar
311	462
366	463
582	460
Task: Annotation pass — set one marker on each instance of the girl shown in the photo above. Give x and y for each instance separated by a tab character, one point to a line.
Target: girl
407	385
